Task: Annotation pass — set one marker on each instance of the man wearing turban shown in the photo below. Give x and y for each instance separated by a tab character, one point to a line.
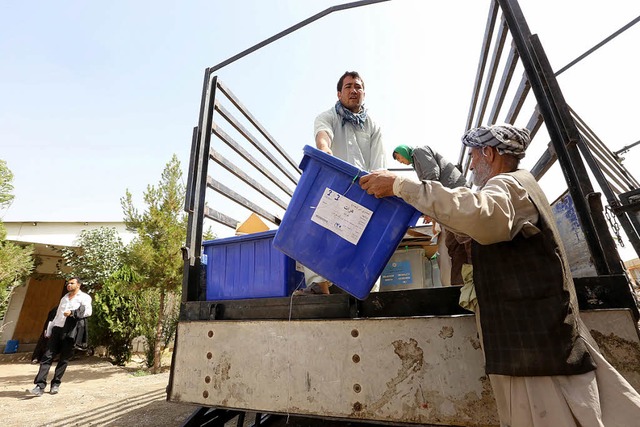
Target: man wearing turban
544	367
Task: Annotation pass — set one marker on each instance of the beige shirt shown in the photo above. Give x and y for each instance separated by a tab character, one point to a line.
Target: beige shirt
362	148
496	213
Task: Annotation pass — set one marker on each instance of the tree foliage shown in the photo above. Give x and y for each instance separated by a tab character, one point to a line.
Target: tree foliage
16	261
150	307
99	261
155	253
98	256
16	264
6	185
117	315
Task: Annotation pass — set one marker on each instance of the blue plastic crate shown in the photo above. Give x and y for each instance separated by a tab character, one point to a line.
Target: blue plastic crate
11	347
248	267
336	229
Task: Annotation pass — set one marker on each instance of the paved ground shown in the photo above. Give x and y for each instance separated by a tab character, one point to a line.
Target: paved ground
93	393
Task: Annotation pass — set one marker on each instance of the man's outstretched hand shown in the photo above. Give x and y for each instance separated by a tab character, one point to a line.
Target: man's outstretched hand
378	183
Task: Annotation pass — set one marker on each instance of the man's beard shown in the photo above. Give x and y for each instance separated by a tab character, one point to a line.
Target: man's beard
481	173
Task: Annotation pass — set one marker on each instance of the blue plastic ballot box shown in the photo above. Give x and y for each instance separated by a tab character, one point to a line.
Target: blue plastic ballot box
248	266
336	229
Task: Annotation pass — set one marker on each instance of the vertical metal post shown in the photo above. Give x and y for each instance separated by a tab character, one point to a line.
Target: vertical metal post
196	191
614	261
561	127
627	212
192	217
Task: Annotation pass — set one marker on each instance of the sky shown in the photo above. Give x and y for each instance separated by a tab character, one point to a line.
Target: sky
95	97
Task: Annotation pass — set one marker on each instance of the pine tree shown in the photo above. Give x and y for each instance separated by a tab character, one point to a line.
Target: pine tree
156	251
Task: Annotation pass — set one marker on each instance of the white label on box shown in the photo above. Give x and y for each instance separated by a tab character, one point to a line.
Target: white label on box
341	215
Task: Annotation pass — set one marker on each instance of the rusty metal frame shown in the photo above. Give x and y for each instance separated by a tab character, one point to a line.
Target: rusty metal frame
570	136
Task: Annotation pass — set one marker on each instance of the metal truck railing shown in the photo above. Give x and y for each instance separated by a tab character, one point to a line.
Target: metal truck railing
258	176
571	141
242	169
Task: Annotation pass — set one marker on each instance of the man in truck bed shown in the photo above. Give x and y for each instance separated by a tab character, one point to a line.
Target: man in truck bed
347	132
544	367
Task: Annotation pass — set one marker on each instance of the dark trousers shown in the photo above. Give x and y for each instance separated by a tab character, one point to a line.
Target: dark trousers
56	345
460	253
41	347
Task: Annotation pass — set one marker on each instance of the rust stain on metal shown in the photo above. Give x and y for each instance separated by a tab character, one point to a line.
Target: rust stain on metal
469	409
475	343
621	353
412	358
481	410
446	332
410	354
431	406
221	373
239	393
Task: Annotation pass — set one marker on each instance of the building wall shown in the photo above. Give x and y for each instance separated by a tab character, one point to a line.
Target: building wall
12	314
59	233
17	301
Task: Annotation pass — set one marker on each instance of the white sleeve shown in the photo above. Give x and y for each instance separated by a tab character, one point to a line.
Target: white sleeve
86	302
324	122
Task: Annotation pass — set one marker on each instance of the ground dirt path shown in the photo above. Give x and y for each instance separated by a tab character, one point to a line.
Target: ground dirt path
93	393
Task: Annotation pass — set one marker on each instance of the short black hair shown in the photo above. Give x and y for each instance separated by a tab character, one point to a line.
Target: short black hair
79	280
352	74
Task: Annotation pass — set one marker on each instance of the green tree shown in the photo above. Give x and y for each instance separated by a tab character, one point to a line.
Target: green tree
16	264
99	261
16	261
150	306
98	256
117	315
6	185
156	251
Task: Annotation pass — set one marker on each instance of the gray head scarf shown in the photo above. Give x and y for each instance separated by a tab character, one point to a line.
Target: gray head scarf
506	138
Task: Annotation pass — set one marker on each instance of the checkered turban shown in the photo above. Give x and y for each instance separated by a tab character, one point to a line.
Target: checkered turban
506	138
